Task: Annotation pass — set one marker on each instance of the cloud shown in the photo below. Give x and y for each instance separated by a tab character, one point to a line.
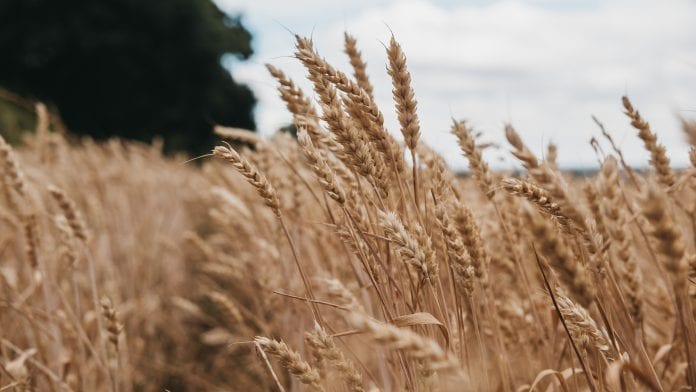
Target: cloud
544	67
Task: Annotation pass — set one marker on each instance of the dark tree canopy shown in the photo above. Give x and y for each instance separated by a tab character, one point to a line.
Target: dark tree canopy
133	68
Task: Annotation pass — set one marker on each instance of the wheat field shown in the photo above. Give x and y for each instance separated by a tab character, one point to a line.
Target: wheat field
344	259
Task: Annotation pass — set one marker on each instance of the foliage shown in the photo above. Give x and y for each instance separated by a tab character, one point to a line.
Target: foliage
129	68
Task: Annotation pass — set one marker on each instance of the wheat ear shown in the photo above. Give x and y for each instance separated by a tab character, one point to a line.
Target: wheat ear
665	232
403	94
321	169
582	327
67	206
11	168
428	351
292	361
658	155
359	66
256	179
413	248
323	344
473	153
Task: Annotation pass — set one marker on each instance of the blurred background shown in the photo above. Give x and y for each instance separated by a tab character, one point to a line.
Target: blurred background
129	68
175	68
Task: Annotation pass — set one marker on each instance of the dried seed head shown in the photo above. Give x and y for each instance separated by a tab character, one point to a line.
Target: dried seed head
665	232
70	211
658	154
413	248
31	235
470	233
359	66
340	293
291	360
404	96
521	152
227	308
324	347
572	272
473	153
239	135
256	179
582	327
428	351
113	326
461	261
11	168
321	169
539	197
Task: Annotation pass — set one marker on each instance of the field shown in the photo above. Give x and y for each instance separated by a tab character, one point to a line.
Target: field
342	259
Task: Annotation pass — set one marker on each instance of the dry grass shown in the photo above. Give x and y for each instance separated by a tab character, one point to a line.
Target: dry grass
334	263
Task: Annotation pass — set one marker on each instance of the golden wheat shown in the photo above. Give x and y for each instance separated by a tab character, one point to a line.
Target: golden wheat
380	273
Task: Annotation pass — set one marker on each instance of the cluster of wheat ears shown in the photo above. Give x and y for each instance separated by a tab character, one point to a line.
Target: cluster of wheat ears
352	261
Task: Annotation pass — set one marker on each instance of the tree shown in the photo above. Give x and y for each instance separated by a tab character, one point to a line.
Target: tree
131	68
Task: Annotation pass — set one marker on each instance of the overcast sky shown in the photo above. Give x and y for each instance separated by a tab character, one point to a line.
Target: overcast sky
545	66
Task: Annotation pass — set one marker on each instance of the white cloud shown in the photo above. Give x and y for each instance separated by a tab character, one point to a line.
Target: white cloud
545	68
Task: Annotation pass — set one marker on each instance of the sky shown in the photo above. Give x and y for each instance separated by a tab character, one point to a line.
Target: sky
544	66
